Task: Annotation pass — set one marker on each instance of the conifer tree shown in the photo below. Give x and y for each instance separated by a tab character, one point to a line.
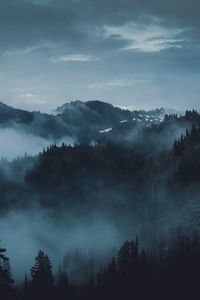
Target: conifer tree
5	276
5	271
42	277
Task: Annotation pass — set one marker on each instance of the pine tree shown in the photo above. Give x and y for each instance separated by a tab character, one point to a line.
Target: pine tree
5	276
63	286
128	255
42	277
25	282
5	271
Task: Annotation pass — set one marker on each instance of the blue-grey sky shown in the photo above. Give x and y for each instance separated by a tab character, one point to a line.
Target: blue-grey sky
132	53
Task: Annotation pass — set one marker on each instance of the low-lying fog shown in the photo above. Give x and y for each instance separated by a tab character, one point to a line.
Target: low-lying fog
24	233
16	142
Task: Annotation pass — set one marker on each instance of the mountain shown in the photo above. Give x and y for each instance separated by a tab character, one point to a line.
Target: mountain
36	123
104	115
9	115
84	121
120	182
101	122
139	177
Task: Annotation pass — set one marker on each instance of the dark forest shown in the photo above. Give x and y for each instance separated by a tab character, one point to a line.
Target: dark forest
130	200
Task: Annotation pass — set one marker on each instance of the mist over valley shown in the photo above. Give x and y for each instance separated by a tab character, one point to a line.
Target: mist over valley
83	188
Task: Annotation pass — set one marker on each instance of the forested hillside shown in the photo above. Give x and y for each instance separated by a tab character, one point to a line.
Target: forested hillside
96	194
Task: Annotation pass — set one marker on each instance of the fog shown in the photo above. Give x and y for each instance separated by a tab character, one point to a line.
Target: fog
24	233
74	208
16	142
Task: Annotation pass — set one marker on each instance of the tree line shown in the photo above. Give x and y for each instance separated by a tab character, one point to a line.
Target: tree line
170	271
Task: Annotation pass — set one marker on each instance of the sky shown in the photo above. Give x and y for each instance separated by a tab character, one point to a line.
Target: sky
131	53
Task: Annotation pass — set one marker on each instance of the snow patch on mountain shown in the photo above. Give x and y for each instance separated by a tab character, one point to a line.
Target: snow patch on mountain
105	130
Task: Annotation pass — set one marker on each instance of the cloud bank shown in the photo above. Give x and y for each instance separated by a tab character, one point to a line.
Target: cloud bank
58	50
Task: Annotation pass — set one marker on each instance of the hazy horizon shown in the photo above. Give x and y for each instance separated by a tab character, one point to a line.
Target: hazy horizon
53	109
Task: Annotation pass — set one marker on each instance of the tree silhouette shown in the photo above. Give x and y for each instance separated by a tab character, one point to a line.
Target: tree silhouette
42	277
64	289
5	275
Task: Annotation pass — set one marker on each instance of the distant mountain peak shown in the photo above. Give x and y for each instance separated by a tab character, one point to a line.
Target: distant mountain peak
5	106
92	104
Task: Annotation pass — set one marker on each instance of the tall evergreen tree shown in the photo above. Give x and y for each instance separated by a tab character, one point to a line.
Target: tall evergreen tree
5	275
42	277
5	271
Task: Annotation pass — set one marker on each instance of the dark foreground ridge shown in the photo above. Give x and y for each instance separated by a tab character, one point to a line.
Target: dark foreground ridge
170	271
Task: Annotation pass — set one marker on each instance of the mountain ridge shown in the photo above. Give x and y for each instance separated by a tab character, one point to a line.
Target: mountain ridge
76	119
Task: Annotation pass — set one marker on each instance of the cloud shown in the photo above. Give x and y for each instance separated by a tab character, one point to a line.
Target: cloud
74	58
94	44
29	50
26	24
119	83
28	95
150	38
36	229
29	26
15	143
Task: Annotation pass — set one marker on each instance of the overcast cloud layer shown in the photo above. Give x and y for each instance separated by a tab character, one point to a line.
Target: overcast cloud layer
136	53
